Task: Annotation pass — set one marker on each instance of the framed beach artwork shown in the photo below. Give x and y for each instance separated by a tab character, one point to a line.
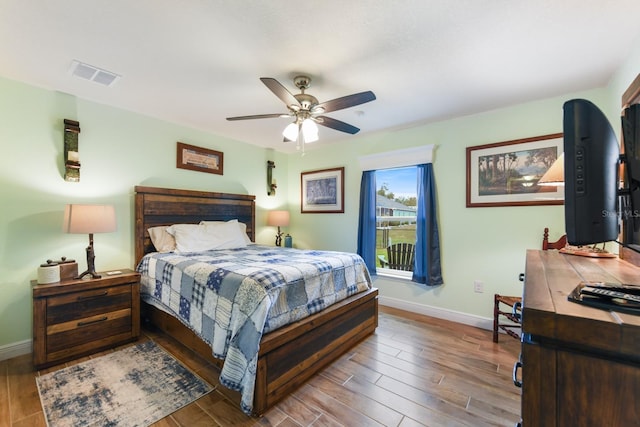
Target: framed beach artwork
507	173
322	191
199	159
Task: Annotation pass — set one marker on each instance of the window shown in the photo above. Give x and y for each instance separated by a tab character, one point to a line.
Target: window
427	268
396	204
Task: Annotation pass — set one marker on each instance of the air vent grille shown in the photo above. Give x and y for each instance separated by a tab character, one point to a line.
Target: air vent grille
94	74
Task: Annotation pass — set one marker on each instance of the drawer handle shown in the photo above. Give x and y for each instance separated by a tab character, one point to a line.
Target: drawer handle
516	381
91	322
517	310
93	296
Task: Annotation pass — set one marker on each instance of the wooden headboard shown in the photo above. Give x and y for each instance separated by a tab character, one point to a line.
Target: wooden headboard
166	206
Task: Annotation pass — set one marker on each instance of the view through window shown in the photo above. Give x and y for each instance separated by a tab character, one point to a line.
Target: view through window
395	209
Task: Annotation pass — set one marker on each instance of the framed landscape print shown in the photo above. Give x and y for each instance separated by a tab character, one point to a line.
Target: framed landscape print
322	191
507	173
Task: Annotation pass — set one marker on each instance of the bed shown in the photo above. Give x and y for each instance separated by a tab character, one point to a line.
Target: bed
287	356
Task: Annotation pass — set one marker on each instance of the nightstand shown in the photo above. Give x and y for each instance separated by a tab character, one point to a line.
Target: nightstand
73	318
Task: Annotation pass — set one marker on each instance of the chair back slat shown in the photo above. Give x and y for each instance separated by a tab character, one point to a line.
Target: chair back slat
401	256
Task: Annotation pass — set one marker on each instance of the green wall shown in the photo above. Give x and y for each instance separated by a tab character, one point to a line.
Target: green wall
118	150
486	244
121	149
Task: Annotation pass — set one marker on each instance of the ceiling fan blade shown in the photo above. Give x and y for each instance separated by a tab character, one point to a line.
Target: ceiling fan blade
258	116
346	101
337	125
280	91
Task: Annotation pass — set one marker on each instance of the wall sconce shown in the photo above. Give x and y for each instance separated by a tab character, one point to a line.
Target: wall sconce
271	182
71	156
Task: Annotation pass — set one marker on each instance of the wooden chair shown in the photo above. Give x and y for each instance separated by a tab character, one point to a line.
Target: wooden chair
510	319
400	256
558	244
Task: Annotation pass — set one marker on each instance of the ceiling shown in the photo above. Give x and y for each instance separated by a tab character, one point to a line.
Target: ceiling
197	62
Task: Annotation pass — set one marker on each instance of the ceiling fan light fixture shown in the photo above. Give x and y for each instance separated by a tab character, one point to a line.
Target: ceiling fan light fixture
309	131
307	112
291	132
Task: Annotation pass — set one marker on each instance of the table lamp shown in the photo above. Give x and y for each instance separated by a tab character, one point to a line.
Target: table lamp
554	176
279	219
89	219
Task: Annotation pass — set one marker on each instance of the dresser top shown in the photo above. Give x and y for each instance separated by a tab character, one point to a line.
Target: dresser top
548	314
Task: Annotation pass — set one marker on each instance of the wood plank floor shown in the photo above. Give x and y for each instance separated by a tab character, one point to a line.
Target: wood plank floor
414	371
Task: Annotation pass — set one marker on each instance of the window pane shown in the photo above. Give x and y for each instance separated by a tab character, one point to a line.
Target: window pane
395	208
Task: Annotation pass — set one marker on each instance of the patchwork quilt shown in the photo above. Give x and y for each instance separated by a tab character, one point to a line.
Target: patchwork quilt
231	297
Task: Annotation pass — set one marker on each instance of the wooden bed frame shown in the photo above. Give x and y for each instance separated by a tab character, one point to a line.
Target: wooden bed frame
287	356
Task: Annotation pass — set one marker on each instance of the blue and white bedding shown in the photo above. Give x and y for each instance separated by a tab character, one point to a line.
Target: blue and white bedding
231	297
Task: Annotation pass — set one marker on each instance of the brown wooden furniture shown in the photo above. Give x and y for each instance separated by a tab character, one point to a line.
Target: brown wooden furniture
77	317
287	356
558	244
509	319
580	365
400	256
506	319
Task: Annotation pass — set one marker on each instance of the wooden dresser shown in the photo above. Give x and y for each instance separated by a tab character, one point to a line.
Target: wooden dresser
77	317
580	365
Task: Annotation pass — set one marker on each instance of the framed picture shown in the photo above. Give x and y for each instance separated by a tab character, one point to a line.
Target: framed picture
507	173
199	159
322	191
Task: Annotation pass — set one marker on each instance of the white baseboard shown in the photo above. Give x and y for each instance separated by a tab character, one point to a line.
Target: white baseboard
15	349
440	313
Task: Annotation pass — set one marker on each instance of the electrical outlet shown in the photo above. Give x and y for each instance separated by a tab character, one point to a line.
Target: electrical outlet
478	286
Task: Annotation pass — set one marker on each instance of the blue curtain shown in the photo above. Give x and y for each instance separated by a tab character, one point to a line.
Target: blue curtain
367	221
427	268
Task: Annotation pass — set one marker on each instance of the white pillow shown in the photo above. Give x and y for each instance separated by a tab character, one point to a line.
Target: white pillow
229	233
190	238
204	237
162	241
241	225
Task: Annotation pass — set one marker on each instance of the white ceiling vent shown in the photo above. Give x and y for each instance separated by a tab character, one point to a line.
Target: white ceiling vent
95	74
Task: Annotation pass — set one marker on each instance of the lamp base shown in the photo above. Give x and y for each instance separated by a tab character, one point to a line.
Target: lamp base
91	258
93	274
279	237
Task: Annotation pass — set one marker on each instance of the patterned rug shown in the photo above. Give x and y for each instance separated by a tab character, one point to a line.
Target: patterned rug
135	386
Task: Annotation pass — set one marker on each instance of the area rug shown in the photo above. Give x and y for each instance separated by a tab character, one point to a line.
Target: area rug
135	386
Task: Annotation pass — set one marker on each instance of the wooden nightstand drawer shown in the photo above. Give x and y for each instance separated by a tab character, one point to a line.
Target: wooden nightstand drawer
78	317
70	334
79	305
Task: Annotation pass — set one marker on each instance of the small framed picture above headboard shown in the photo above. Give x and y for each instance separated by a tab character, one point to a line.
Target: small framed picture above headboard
199	159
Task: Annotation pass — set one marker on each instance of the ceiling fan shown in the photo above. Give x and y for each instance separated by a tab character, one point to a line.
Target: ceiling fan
307	111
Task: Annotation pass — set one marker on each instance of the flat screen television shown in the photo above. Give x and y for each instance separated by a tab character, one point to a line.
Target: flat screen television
631	141
591	163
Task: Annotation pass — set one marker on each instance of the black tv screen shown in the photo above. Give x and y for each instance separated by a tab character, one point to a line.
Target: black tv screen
591	159
631	140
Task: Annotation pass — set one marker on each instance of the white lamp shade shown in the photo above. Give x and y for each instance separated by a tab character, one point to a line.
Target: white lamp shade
89	219
309	131
291	131
554	176
278	218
